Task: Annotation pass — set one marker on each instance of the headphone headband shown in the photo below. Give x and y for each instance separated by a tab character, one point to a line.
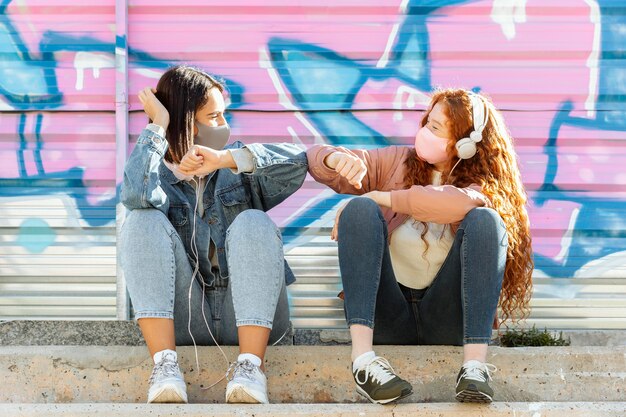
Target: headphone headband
480	115
466	147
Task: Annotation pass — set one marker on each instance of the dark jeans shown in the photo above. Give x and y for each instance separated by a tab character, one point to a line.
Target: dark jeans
459	306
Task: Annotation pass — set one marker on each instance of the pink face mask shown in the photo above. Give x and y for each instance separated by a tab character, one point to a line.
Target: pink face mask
430	147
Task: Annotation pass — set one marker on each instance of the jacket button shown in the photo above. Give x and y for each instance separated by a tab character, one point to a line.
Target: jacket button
157	140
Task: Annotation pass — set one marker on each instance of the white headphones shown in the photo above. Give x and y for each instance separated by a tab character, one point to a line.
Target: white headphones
466	147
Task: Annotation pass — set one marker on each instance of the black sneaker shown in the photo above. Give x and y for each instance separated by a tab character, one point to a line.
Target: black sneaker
472	383
378	382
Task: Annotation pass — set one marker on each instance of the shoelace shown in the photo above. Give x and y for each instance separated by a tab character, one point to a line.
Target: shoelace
379	369
241	369
245	369
166	367
477	372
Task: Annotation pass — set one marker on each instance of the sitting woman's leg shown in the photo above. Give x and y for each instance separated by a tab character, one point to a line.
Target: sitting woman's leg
149	261
460	306
153	259
375	306
256	308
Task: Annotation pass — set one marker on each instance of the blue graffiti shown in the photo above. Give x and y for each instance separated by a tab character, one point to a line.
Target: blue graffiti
600	227
30	86
328	97
35	235
324	84
26	83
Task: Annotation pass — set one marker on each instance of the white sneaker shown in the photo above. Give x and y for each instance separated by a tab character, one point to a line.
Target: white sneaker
247	384
166	382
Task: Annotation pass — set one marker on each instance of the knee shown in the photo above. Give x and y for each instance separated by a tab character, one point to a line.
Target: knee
484	217
142	225
252	225
361	208
142	217
145	234
141	221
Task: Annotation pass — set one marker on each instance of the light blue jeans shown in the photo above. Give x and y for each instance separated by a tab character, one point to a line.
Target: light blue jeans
158	277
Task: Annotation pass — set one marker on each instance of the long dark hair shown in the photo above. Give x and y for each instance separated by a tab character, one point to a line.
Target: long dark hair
183	90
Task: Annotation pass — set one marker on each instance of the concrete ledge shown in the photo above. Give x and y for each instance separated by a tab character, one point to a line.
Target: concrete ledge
319	374
126	333
77	333
577	337
72	333
576	409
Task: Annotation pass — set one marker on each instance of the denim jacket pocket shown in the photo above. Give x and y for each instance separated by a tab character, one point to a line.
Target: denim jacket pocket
177	215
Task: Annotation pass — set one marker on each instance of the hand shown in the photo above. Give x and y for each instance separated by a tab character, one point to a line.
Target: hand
348	166
154	108
333	233
192	161
200	160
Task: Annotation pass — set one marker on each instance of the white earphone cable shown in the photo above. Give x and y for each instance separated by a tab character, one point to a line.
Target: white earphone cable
194	250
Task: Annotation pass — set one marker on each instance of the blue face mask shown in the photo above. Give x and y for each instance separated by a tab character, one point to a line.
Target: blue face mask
212	137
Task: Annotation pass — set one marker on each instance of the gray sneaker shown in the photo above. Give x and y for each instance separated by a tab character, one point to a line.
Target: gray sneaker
166	382
472	383
247	384
378	382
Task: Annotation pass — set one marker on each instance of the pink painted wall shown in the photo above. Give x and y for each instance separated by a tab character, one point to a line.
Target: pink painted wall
551	68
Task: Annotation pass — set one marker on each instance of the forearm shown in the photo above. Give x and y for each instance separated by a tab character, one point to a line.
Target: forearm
437	204
227	160
275	159
383	198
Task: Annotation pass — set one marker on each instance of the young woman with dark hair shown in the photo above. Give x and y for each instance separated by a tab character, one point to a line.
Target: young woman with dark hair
203	262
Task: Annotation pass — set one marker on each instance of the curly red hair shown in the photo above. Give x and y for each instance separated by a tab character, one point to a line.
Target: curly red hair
495	169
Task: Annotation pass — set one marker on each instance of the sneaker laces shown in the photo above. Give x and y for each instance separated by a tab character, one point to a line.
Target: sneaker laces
243	369
165	368
477	371
379	369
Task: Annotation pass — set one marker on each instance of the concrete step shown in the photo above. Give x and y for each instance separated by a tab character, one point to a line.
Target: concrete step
127	333
577	409
309	374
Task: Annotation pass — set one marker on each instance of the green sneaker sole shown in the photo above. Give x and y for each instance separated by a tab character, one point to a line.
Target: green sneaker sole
471	396
404	394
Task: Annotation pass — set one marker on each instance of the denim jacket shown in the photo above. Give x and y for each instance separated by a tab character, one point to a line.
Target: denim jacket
279	170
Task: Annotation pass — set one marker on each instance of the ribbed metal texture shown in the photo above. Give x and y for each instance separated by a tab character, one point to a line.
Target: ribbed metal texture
352	73
57	147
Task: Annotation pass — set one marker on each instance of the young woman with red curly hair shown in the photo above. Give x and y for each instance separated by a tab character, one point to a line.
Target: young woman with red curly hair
437	241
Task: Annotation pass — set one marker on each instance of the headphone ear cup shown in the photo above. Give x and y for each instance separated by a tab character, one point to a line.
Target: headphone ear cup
465	148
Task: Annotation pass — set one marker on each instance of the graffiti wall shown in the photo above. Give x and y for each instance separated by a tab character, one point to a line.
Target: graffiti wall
355	73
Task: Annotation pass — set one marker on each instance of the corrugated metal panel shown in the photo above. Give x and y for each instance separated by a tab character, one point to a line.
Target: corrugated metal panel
57	146
578	303
355	73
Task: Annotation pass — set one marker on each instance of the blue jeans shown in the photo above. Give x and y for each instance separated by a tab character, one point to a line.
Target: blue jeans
158	276
457	308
